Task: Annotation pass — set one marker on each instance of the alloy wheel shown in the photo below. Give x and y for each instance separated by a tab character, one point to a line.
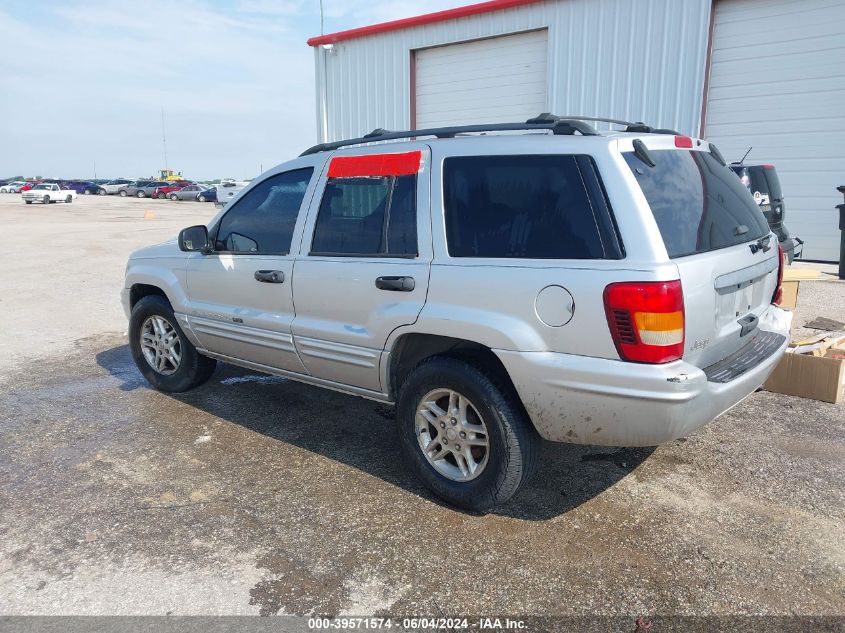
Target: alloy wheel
452	435
161	345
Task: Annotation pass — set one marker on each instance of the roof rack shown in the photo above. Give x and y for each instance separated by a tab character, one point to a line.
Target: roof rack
556	124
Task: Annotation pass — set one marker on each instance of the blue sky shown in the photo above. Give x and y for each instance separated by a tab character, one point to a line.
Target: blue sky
85	81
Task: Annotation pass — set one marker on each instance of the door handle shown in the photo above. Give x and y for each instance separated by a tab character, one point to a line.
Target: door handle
270	276
397	284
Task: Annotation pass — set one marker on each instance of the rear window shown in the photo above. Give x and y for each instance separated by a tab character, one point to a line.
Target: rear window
532	207
698	203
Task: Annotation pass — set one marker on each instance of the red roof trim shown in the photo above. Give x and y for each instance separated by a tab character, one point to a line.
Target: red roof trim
428	18
405	164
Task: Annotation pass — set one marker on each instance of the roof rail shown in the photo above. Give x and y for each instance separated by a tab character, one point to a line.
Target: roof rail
638	126
559	125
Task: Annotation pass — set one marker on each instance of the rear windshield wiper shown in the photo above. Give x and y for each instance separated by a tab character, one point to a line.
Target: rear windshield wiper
641	152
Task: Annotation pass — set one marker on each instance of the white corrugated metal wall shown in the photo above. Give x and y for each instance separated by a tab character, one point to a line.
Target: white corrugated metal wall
631	59
778	85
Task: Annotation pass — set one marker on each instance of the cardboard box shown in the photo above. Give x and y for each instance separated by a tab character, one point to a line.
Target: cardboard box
808	376
789	299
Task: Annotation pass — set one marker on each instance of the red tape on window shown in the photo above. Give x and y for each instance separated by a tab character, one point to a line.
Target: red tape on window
405	164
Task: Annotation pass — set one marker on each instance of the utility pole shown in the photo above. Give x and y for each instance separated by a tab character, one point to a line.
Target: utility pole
95	169
163	138
321	18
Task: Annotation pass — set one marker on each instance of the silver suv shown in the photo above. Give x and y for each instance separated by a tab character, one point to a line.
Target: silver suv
604	288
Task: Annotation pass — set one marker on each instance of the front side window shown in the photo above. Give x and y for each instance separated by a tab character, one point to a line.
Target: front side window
368	216
262	221
526	206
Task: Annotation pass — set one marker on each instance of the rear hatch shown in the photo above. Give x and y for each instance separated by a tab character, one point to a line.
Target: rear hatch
717	236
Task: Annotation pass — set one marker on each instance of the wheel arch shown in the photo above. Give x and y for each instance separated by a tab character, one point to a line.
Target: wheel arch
410	349
140	290
143	279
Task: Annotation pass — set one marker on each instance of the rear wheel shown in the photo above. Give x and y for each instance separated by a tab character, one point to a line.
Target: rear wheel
141	194
69	199
122	193
465	433
163	354
28	201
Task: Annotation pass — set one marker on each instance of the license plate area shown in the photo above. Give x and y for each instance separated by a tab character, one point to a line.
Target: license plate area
736	301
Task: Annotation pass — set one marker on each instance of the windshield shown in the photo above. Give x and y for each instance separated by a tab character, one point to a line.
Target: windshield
41	187
698	203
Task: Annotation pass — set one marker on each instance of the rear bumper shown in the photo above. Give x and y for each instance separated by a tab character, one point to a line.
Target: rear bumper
588	400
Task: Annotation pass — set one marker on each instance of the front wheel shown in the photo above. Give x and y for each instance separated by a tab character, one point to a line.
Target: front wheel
102	192
201	198
140	194
28	201
173	196
162	352
122	193
45	200
465	434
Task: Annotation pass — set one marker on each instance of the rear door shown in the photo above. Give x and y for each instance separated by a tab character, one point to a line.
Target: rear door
365	262
719	239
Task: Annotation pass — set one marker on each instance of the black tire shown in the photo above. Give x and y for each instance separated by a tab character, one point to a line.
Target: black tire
141	194
201	198
46	200
69	199
173	196
194	368
122	193
102	192
513	441
28	201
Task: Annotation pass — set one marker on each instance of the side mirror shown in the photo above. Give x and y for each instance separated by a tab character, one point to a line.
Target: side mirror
194	239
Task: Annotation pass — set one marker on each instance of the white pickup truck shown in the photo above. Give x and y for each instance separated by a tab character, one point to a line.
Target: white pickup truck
47	192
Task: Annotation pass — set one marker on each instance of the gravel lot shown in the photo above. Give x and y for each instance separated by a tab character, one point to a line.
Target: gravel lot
256	495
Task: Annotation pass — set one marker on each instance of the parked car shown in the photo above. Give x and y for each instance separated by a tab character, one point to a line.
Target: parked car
208	195
602	288
764	185
228	189
169	188
27	186
112	187
13	187
80	186
148	191
47	193
132	188
190	192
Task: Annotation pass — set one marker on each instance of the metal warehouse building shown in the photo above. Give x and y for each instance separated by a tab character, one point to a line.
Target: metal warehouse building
763	73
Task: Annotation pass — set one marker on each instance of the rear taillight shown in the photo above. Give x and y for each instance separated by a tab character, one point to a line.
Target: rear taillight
646	320
778	296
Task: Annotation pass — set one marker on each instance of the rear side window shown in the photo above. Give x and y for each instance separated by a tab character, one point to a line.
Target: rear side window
698	203
262	221
532	207
368	216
